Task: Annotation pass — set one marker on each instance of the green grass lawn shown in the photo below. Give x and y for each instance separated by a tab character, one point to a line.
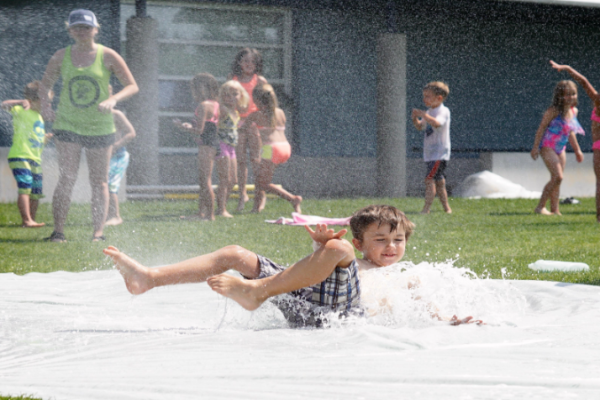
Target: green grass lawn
487	236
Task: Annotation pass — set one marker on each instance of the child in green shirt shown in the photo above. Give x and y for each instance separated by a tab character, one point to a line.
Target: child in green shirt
25	155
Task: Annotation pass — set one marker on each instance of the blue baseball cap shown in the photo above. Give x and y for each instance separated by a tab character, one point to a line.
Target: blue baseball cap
82	17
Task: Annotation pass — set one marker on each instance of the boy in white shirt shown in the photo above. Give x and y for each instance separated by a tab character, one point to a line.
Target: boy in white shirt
436	147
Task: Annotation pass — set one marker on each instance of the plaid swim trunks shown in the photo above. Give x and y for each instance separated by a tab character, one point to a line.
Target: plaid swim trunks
309	306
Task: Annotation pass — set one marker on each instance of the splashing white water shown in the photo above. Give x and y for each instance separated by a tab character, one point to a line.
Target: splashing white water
73	336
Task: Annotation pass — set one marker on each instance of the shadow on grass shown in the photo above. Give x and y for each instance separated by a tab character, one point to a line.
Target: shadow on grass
36	240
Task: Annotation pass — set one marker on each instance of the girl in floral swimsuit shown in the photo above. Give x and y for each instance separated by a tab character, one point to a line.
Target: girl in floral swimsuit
558	126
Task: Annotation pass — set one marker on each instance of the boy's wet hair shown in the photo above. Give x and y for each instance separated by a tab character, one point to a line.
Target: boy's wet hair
379	214
30	92
438	88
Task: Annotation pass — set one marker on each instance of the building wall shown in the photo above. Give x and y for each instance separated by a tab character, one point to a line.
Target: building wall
494	55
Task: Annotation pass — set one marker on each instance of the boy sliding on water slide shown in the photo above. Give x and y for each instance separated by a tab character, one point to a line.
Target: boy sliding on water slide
325	281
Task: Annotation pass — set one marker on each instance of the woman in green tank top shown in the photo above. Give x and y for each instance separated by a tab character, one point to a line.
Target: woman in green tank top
83	119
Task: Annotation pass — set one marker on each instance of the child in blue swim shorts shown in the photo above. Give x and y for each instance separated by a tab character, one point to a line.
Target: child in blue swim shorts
25	155
124	133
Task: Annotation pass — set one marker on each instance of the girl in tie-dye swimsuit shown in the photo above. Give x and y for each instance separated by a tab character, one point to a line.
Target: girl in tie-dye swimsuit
595	97
558	126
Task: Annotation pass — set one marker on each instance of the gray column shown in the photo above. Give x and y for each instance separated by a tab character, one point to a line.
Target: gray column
142	109
391	115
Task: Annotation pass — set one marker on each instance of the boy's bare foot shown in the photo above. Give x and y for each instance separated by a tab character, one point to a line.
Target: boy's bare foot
424	211
114	221
258	208
542	211
556	213
137	277
296	204
448	211
33	224
242	202
243	292
224	213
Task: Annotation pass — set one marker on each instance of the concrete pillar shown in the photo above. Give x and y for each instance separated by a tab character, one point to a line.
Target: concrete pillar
142	109
391	115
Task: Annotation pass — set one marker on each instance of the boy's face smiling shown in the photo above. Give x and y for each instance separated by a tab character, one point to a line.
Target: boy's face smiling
380	246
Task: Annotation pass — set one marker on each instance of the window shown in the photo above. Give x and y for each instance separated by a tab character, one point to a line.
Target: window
195	38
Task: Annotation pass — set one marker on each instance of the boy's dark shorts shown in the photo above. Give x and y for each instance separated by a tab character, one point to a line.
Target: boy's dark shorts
89	142
309	306
436	170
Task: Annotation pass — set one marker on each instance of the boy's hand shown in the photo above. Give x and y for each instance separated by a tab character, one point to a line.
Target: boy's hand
416	113
47	137
322	235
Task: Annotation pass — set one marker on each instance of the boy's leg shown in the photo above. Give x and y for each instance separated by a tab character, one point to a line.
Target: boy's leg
140	279
113	217
443	195
23	202
429	195
313	269
33	207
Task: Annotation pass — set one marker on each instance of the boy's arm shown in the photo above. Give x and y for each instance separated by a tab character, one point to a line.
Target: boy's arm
582	80
124	127
423	118
7	105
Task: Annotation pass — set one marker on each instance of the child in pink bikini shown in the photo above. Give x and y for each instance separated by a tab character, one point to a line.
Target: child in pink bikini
559	125
268	146
595	96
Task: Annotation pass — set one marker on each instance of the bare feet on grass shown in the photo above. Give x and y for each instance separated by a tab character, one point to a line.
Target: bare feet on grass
137	277
224	213
242	202
197	217
542	211
245	293
32	224
114	221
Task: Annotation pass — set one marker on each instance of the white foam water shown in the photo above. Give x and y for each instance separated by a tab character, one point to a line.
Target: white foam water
83	336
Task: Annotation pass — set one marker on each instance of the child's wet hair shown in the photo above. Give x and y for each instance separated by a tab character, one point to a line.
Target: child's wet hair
236	68
237	86
205	87
265	98
380	214
438	88
558	98
30	92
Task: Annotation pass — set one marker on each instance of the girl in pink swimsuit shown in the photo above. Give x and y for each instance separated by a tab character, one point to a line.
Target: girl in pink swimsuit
558	125
205	89
246	69
595	97
269	147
